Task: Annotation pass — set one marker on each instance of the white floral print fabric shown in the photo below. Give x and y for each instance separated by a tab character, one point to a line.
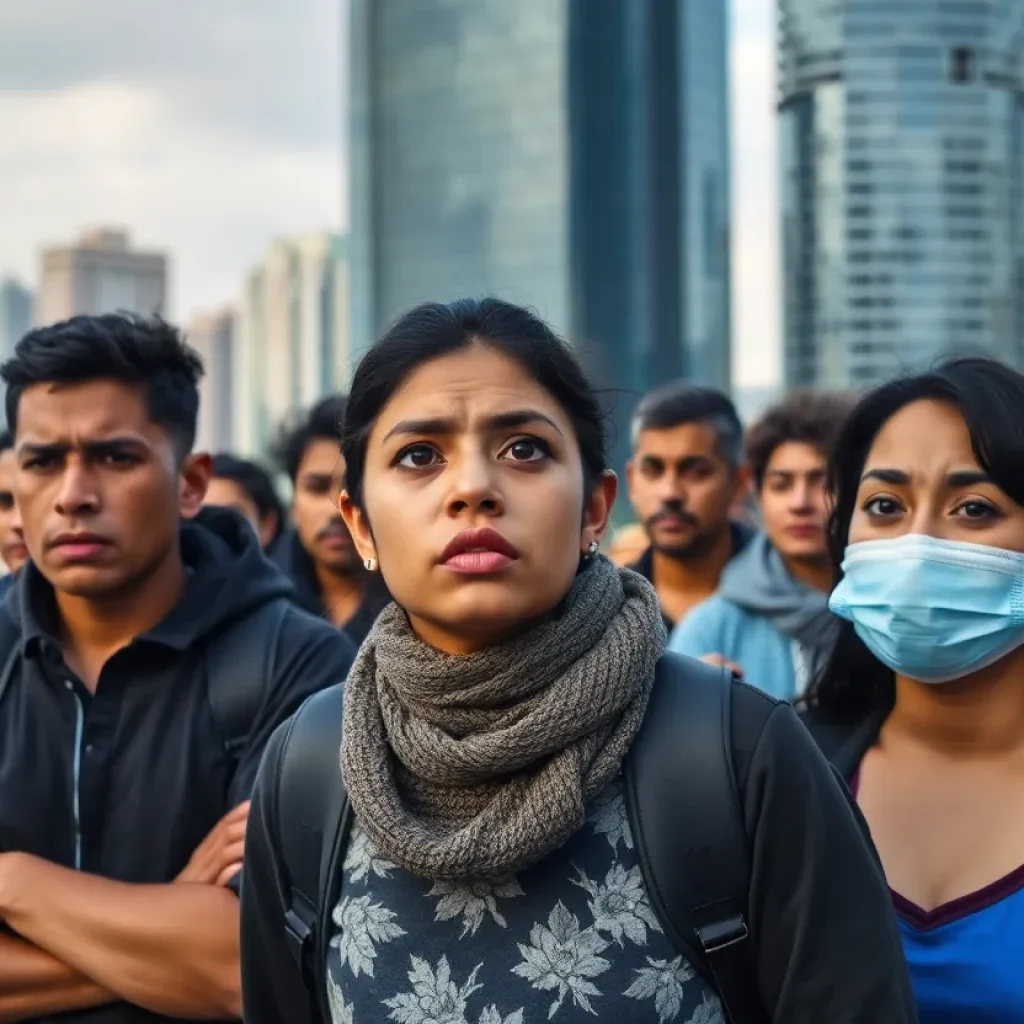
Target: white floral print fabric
571	939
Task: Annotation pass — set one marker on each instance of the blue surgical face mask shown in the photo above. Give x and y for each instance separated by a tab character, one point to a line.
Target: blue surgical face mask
933	610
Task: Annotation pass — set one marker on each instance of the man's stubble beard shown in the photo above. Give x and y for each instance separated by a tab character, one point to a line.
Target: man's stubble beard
698	547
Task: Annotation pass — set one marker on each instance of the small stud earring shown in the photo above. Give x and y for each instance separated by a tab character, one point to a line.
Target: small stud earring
592	548
371	564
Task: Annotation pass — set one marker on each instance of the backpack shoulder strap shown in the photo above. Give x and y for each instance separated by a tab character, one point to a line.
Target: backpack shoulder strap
240	667
687	822
314	817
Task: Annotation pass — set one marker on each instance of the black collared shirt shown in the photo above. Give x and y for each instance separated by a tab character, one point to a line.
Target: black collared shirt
127	781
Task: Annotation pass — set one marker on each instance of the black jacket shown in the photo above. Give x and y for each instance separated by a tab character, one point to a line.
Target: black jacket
825	935
127	781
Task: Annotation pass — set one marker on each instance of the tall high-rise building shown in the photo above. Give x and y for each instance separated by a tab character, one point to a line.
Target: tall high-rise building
292	335
570	155
101	274
902	149
15	314
212	335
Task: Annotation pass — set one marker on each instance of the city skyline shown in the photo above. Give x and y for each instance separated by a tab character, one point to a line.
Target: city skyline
152	128
902	135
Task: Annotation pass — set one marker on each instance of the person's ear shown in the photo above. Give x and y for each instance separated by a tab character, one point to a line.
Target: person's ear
193	480
268	528
358	526
598	510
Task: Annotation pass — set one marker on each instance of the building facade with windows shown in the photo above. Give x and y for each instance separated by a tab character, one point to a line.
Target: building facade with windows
212	335
292	335
101	273
569	155
902	149
15	315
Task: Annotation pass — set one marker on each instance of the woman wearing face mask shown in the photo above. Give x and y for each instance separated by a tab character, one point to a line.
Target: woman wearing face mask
922	706
491	875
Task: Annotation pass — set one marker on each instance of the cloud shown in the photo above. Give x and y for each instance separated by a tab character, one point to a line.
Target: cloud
257	67
210	126
207	128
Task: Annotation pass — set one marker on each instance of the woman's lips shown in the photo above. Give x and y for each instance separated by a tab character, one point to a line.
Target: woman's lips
478	563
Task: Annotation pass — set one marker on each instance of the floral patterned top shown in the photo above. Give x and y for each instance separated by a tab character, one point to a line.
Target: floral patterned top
570	939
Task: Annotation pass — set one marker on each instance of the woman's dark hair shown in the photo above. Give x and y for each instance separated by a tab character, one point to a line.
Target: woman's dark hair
437	329
256	482
990	398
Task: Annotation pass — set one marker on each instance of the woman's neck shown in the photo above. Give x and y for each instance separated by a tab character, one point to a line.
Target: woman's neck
815	573
979	716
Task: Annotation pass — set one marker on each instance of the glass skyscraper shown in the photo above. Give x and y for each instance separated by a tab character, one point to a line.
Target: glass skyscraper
902	148
571	155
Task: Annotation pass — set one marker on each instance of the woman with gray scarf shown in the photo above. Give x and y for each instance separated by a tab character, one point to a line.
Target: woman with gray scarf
491	874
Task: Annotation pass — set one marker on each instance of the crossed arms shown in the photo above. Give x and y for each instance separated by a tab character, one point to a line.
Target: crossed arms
81	941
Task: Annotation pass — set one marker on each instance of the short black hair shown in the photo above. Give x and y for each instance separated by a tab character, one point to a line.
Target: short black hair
6	440
680	402
255	481
147	353
323	422
437	329
804	417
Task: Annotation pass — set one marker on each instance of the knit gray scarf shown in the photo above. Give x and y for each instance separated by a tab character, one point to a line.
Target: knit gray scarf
479	765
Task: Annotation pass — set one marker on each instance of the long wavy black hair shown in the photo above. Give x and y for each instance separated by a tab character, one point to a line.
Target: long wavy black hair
990	397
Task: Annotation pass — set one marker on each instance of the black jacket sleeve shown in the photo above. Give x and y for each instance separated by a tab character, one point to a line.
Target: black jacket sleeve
273	991
311	655
827	942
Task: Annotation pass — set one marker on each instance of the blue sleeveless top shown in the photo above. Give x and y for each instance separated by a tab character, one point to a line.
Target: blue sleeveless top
966	958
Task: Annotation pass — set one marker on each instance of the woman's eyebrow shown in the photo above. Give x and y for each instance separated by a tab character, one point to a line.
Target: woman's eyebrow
439	426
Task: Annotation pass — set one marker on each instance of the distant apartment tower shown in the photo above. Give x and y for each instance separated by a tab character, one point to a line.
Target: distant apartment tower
101	274
571	155
902	149
15	314
292	341
212	335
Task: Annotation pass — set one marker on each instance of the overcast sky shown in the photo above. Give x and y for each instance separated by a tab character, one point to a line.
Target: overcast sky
210	126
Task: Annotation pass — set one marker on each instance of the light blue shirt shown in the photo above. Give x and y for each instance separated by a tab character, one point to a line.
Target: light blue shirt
770	660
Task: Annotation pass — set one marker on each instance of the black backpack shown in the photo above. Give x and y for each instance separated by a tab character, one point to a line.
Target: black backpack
678	771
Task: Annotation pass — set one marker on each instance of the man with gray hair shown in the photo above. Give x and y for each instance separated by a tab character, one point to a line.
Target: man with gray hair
685	477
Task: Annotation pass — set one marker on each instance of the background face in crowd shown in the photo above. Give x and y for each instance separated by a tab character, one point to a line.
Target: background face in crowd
231	494
322	531
682	488
101	488
472	441
12	541
921	476
793	504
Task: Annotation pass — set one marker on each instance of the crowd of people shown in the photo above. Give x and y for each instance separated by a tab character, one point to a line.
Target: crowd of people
409	747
